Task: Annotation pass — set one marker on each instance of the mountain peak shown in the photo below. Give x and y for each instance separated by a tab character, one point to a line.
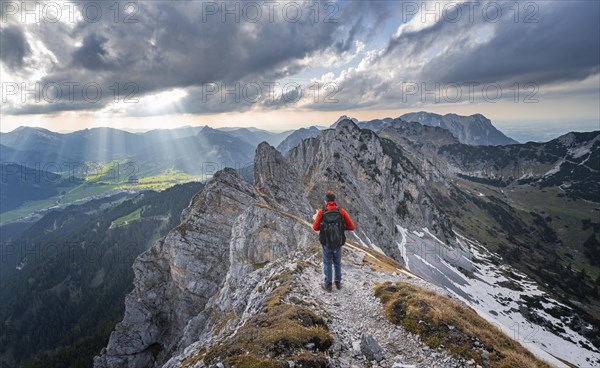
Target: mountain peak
29	129
347	124
274	176
342	118
475	129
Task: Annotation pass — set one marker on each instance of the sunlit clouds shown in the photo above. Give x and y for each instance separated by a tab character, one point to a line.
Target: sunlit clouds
167	64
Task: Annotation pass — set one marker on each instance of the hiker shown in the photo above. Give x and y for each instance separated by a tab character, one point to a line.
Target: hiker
331	222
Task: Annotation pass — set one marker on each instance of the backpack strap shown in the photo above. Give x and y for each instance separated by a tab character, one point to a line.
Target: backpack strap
344	221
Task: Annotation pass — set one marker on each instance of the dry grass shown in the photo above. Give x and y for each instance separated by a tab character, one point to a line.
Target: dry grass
194	359
439	320
277	334
379	262
222	321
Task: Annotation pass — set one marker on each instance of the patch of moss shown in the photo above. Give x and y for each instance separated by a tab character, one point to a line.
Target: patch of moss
183	228
223	320
441	321
259	265
194	359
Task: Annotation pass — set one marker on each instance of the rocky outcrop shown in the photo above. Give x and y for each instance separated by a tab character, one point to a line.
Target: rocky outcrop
177	276
205	270
278	182
375	180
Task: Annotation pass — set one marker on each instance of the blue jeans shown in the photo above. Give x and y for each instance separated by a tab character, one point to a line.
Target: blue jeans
332	257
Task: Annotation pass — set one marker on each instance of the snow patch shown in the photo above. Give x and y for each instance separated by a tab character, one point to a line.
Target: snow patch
369	243
433	236
402	245
480	288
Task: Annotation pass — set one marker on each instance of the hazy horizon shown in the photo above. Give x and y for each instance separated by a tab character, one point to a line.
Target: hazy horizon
518	130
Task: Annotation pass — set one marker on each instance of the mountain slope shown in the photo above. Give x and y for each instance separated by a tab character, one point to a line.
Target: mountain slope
255	136
74	270
571	161
20	184
474	130
509	200
205	291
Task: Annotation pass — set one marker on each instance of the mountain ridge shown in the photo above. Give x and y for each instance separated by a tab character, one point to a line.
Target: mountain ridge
475	129
223	294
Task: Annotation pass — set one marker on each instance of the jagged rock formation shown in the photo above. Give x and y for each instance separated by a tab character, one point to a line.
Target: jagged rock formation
176	277
366	169
243	251
223	235
474	130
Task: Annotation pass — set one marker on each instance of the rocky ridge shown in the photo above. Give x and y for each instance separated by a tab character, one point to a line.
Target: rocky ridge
199	289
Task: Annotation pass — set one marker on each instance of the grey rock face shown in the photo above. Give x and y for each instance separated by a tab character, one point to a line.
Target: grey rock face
279	183
370	348
176	277
352	162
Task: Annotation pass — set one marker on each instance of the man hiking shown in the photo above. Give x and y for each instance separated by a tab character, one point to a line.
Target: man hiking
331	222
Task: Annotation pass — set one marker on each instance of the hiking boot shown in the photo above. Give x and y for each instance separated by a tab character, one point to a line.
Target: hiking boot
327	287
338	285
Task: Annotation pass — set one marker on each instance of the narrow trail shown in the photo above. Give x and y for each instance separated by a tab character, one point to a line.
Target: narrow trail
354	311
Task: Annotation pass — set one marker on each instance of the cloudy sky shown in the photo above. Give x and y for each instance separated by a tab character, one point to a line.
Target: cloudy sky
528	65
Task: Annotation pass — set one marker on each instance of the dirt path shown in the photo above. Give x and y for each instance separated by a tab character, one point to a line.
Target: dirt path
354	311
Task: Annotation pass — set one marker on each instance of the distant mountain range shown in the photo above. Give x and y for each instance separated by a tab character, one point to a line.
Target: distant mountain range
195	151
474	129
571	162
188	149
296	137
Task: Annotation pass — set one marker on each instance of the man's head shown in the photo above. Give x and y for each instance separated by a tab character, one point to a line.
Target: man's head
329	196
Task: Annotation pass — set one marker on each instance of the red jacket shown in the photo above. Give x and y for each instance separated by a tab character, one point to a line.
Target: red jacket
333	206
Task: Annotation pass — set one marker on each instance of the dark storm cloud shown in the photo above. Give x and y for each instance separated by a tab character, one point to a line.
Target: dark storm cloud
54	108
14	47
172	46
92	55
564	45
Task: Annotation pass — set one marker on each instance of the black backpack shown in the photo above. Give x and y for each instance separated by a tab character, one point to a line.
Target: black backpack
331	230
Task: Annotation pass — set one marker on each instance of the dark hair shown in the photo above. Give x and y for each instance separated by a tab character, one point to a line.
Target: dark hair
329	196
